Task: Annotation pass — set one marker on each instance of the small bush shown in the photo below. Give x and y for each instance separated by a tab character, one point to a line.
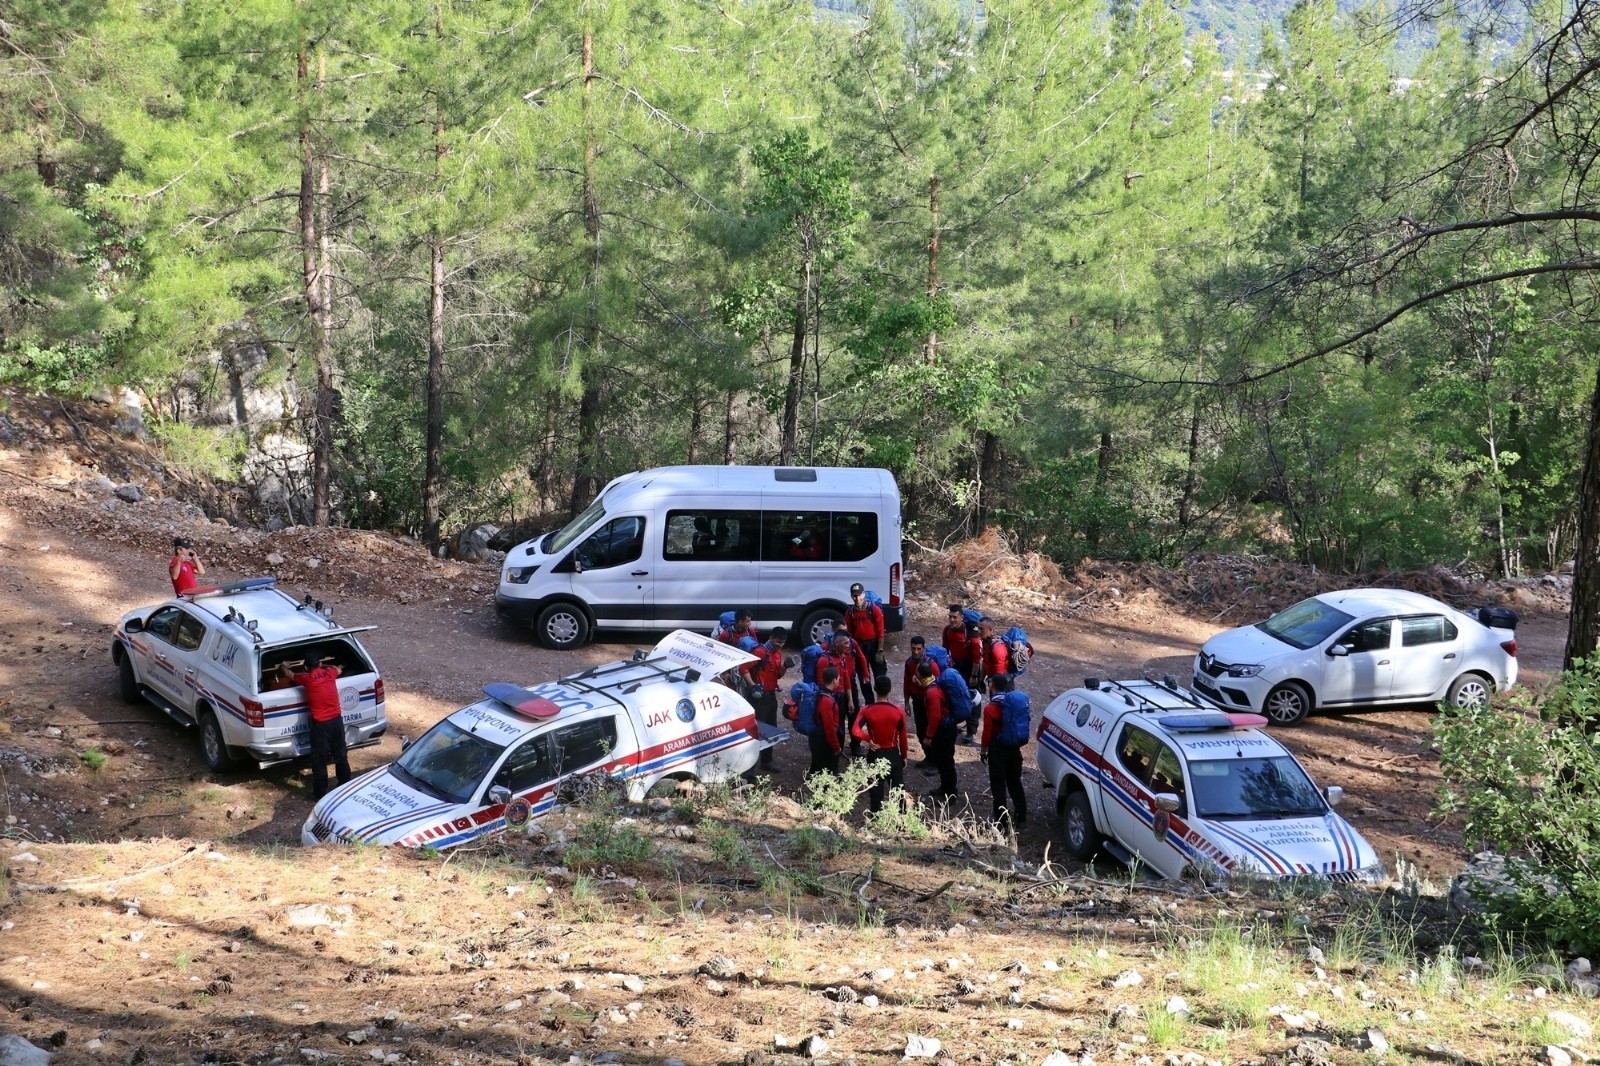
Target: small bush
729	849
201	450
602	842
838	794
1525	773
94	758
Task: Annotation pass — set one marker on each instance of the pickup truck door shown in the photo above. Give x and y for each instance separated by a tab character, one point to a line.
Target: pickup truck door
172	637
537	766
1138	758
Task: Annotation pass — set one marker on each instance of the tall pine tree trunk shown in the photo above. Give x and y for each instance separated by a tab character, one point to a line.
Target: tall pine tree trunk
589	404
316	311
433	444
789	445
1583	626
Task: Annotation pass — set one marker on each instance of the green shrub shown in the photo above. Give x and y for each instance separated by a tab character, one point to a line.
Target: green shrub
838	793
94	758
602	842
203	450
1525	773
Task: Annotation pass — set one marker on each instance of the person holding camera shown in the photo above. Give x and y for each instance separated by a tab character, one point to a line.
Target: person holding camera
185	566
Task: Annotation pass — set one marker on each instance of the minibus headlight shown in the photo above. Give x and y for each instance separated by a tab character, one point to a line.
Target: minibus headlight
519	575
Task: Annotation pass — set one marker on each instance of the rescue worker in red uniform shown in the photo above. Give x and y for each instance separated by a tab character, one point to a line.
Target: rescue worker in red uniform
864	622
844	655
915	699
1005	762
826	739
764	677
326	725
882	727
940	742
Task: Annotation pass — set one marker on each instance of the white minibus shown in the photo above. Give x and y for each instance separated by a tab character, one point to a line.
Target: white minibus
676	546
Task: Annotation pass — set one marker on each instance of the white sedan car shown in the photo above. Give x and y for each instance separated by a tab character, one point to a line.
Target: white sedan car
1360	648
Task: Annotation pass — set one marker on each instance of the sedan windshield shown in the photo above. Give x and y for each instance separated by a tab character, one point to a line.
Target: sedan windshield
448	761
574	529
1306	624
1253	788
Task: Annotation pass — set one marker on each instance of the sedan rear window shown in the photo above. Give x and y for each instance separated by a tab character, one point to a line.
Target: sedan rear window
1306	624
1235	789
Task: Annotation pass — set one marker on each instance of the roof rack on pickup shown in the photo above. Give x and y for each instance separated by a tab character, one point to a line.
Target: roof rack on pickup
1140	698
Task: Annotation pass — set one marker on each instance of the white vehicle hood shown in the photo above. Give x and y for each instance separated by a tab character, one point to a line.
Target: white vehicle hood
1287	847
380	808
1246	646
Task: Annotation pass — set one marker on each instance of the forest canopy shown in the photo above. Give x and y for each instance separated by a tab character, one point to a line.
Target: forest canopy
1088	272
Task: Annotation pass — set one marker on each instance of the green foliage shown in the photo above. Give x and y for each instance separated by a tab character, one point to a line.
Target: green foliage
837	794
1524	772
93	758
203	450
602	842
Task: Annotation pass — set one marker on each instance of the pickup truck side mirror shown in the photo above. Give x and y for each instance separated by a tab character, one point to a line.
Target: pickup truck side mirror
1167	801
499	795
1338	651
134	625
1333	794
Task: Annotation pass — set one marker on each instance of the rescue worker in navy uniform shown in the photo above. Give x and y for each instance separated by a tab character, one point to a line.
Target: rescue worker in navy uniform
1005	761
864	622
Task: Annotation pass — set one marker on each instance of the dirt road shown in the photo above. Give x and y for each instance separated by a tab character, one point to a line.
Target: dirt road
71	564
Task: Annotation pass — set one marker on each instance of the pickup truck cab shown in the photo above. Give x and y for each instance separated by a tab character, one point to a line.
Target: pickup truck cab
209	658
1158	778
502	761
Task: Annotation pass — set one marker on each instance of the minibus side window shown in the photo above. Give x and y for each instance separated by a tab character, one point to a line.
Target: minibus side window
619	541
855	536
794	536
728	536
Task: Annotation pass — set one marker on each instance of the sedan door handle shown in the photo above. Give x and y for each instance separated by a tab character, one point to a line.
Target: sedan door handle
641	573
1383	662
1452	655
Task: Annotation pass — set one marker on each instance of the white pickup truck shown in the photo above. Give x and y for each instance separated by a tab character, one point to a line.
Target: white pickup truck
209	658
501	762
1162	780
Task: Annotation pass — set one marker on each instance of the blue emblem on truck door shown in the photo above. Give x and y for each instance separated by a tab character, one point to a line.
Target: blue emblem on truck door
685	710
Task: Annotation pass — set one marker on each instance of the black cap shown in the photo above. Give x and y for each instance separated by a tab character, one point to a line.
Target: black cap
857	589
182	542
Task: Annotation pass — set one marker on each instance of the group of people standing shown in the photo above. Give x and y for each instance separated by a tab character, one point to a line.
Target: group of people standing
851	702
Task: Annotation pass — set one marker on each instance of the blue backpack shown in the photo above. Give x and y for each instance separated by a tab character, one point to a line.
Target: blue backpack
873	599
808	662
971	615
804	697
957	697
1016	717
748	643
940	656
1018	648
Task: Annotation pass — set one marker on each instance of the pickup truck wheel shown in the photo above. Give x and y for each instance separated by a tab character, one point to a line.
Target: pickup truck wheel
1077	826
127	682
1469	690
562	626
1288	704
213	749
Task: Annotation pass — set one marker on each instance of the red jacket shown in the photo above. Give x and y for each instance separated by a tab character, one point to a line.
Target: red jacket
865	622
851	664
934	697
996	657
322	692
955	642
769	670
991	722
730	635
828	720
882	725
910	685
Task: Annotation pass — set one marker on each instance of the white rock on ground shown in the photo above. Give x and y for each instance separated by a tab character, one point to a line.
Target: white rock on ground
921	1047
1571	1024
15	1051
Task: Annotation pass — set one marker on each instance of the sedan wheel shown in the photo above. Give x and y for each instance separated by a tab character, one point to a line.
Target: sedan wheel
1468	690
1288	704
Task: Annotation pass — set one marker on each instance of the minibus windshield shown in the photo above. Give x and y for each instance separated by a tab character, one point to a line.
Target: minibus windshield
561	538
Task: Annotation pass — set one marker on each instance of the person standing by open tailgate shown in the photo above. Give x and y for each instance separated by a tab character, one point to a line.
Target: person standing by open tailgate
326	725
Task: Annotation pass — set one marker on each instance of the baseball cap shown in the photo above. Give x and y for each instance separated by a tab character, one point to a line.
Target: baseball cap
182	542
857	588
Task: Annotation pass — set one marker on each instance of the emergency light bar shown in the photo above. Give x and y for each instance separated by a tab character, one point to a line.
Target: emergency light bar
521	700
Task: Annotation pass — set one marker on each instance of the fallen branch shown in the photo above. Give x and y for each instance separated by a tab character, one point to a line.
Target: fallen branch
936	893
77	883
